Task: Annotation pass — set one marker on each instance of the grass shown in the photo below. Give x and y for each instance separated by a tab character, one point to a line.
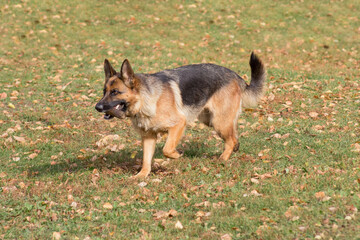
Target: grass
295	176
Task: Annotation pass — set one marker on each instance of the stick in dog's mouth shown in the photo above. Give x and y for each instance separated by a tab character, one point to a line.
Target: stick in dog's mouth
108	116
119	107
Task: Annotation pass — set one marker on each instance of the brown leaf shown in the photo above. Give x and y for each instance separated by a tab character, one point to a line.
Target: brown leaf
276	135
178	225
3	95
142	184
262	229
186	197
54	217
356	148
313	114
70	198
226	237
254	180
200	214
160	215
290	212
33	155
108	206
218	205
20	139
107	140
203	204
265	175
320	195
56	236
145	235
255	193
173	213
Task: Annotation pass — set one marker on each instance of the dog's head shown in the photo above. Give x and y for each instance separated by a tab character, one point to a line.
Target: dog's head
120	91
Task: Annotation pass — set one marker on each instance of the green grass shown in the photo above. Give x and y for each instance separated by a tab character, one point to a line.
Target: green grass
295	176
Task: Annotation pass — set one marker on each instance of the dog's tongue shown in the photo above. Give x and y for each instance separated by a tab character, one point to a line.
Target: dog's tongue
108	116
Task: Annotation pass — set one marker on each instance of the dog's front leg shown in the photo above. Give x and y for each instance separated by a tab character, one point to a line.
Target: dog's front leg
175	134
148	142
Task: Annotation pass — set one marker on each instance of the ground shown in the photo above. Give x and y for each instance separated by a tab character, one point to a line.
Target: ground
64	170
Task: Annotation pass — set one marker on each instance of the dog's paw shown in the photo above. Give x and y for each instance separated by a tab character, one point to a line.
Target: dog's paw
224	157
173	154
141	175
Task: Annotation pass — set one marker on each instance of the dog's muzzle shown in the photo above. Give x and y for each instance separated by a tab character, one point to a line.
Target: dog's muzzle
113	109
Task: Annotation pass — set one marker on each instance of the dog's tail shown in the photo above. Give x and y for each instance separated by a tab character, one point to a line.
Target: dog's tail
256	89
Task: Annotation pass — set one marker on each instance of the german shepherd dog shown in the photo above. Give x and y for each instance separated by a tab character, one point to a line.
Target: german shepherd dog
166	101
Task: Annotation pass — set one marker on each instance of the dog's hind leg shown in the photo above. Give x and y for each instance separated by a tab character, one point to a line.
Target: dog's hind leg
148	142
228	133
174	135
225	108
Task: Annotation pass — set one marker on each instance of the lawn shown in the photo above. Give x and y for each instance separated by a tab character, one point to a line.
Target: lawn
64	170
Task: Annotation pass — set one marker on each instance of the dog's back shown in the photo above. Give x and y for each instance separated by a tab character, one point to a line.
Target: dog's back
194	85
198	82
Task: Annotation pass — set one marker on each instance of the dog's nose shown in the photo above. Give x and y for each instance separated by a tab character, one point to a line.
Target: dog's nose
99	107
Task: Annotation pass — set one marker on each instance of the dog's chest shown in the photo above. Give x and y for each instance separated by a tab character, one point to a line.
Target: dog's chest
141	122
155	123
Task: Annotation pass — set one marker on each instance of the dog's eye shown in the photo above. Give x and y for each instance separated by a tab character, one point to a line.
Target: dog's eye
114	92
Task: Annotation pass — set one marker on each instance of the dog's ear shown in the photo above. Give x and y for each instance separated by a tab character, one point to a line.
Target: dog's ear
109	70
127	74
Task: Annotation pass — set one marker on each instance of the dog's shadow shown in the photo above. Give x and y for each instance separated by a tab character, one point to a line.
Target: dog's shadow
125	160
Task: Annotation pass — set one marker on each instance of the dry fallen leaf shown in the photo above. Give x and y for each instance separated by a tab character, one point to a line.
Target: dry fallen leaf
20	139
186	197
356	148
313	114
276	135
173	213
144	235
290	212
200	214
226	237
255	193
218	205
73	204
142	184
160	214
56	235
3	95
54	217
203	204
178	225
107	140
265	175
332	209
10	105
33	155
108	206
320	195
254	180
133	154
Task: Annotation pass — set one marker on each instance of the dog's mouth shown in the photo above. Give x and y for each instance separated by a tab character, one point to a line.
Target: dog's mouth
108	116
117	111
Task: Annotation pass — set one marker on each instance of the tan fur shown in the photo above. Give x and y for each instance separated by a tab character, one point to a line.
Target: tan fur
250	99
224	106
166	114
